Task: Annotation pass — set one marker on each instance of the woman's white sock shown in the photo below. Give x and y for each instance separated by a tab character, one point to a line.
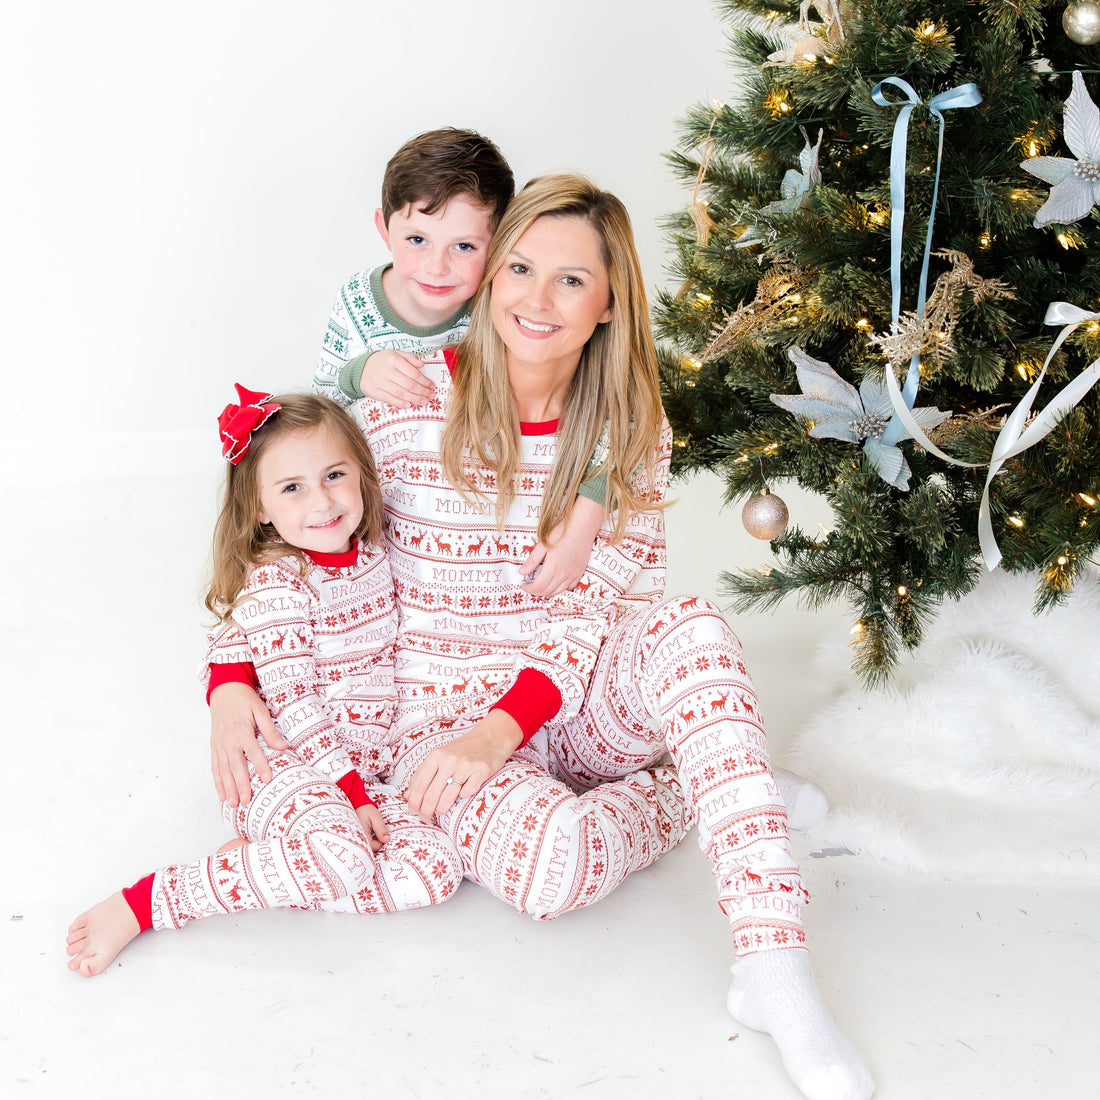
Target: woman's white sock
775	991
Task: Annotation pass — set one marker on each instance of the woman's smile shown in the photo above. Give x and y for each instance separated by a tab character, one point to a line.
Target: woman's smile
551	293
535	329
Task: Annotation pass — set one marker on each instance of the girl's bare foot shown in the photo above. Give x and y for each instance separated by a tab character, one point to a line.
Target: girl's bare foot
229	845
96	937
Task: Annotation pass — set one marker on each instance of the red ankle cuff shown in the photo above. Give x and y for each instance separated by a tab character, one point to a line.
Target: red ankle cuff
139	898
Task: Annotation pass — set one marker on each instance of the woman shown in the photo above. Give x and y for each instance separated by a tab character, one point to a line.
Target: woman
507	702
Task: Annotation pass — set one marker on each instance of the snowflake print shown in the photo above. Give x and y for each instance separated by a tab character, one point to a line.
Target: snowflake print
702	663
484	601
421	854
511	874
301	865
294	844
439	868
709	774
313	886
598	867
519	850
359	301
542	803
752	828
681	671
724	661
466	603
597	844
529	822
325	741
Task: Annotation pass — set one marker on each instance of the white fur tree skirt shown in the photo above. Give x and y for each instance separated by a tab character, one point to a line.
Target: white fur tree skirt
982	758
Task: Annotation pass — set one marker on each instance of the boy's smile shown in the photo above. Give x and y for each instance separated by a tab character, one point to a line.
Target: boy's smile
438	259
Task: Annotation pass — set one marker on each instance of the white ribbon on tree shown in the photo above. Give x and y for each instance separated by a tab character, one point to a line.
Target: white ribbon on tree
1013	438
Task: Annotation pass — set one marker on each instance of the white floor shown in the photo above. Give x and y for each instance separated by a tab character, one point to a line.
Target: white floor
951	989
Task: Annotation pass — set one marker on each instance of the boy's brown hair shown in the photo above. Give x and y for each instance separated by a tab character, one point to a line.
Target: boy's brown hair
432	168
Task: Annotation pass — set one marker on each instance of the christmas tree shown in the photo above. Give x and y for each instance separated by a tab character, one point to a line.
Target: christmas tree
801	260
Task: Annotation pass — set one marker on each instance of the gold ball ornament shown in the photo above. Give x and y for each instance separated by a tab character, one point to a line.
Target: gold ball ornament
1081	21
765	515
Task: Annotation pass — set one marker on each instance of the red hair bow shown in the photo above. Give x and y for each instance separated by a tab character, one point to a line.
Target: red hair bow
237	422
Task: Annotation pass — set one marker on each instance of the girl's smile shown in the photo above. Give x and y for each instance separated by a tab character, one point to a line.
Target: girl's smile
309	491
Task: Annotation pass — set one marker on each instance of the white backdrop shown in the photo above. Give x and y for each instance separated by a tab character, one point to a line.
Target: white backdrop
187	186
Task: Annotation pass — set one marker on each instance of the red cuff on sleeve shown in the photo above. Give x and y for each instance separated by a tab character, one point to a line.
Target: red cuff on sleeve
532	700
352	785
139	898
236	672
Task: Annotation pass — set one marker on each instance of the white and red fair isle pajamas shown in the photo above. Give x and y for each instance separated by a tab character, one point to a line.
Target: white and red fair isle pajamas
607	680
322	646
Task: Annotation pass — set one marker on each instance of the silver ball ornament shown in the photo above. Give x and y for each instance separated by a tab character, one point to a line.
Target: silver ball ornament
765	515
1081	21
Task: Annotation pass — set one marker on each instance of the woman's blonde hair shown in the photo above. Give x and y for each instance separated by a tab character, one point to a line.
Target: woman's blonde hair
614	398
241	541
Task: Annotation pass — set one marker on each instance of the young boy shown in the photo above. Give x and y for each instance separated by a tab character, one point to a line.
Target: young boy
443	194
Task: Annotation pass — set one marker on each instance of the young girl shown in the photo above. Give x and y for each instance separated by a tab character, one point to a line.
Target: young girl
299	569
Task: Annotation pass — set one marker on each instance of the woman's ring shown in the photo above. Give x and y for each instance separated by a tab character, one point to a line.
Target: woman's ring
451	779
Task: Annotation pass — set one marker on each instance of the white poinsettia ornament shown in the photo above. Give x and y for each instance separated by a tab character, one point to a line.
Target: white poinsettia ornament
840	411
1075	183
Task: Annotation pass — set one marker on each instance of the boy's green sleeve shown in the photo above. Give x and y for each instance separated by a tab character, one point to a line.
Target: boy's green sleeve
347	381
595	488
